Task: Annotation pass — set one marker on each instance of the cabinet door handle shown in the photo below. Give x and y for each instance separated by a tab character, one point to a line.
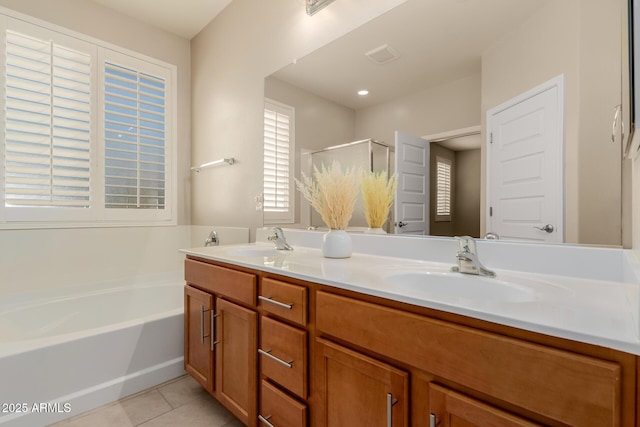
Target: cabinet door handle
202	335
213	334
433	420
274	302
265	420
268	354
390	402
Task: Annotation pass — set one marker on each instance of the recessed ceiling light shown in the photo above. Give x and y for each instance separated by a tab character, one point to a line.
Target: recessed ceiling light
363	92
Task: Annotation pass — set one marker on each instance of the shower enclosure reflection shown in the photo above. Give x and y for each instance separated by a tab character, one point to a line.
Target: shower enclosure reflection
366	155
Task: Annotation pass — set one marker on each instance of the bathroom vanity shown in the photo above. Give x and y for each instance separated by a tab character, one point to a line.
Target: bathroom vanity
297	340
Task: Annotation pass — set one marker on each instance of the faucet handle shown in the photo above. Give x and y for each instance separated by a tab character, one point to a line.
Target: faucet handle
212	240
278	238
467	244
277	234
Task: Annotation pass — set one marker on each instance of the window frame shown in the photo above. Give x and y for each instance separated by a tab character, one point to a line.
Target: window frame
288	216
97	215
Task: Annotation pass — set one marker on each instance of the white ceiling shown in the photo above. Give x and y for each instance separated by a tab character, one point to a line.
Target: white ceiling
439	41
184	18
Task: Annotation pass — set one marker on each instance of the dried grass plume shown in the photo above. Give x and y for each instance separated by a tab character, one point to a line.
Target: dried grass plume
378	193
332	193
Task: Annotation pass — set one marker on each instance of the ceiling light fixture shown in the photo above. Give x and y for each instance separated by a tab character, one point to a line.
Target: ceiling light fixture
363	92
315	5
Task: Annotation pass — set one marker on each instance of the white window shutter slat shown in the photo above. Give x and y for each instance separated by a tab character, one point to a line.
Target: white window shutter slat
443	188
135	139
47	124
278	145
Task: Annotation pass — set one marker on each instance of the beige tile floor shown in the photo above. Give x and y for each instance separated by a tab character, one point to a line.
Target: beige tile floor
180	402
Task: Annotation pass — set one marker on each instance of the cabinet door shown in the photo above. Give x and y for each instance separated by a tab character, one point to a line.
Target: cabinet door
198	357
357	390
450	409
236	331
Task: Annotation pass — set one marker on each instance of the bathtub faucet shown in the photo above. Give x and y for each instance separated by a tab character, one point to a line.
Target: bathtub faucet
212	240
468	262
280	241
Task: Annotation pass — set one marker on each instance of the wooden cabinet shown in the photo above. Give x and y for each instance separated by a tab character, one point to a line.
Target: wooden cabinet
331	357
448	408
198	354
235	359
358	390
283	353
534	378
221	336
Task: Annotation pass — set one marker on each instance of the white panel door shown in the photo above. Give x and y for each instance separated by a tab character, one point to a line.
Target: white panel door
524	159
411	207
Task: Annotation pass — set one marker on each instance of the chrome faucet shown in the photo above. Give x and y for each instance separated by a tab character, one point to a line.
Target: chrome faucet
468	262
280	241
212	240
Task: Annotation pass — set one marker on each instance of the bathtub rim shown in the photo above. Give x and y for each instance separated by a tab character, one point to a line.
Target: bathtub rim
10	348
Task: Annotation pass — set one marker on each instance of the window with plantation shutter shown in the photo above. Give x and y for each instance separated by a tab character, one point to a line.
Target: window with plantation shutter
88	131
279	139
443	189
47	124
135	138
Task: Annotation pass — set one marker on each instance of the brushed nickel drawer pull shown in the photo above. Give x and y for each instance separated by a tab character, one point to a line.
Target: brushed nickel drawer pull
213	334
265	420
274	302
202	335
390	402
433	420
267	353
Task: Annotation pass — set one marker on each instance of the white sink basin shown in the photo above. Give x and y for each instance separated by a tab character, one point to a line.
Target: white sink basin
458	288
257	251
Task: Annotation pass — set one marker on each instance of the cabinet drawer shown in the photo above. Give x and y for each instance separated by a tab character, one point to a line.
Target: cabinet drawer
279	409
567	387
283	355
284	300
235	285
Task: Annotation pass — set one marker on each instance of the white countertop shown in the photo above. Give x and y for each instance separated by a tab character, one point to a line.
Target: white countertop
595	311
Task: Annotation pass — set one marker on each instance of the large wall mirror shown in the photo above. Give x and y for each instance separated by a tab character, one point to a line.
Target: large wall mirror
437	69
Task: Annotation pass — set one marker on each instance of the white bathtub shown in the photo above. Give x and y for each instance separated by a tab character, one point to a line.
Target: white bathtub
63	354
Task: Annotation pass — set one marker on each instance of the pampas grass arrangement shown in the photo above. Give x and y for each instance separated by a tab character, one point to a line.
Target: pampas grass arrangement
332	193
378	193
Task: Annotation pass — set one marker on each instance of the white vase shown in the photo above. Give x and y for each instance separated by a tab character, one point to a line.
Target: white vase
375	230
336	244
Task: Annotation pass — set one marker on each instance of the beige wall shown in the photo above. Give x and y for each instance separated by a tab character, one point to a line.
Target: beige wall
600	167
556	41
320	123
105	24
450	106
231	57
467	195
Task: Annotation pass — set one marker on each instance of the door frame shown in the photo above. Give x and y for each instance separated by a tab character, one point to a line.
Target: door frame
558	83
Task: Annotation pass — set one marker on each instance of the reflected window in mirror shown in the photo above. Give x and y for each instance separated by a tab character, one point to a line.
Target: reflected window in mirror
444	169
279	143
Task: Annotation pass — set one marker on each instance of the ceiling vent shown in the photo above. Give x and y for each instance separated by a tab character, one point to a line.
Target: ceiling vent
383	54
